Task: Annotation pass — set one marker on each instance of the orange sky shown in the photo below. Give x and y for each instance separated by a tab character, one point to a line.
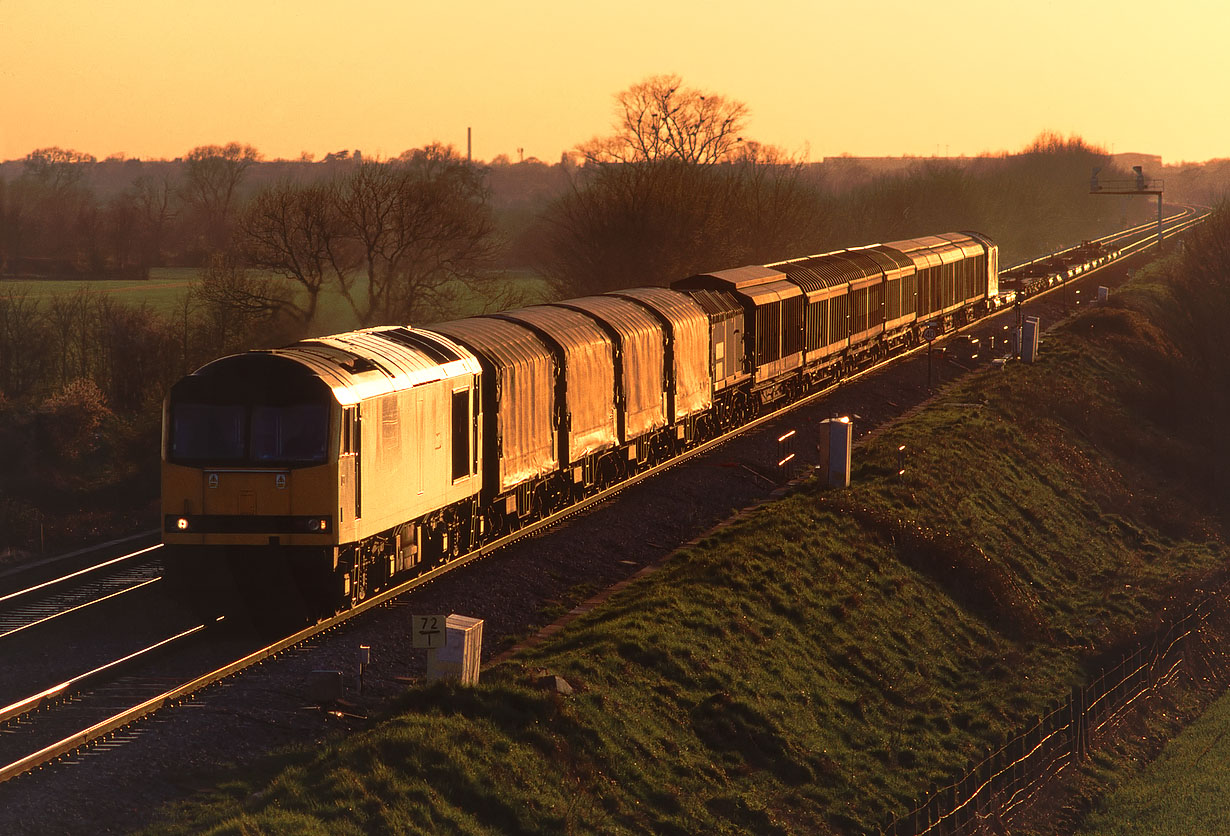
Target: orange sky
154	79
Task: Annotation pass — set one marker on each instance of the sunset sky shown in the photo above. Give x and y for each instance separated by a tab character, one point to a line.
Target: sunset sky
152	79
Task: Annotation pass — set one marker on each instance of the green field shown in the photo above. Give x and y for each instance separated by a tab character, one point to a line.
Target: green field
167	288
1185	792
164	291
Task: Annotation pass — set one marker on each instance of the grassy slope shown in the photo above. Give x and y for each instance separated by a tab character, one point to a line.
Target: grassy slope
818	663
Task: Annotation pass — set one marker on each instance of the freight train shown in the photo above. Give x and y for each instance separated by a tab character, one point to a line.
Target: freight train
353	461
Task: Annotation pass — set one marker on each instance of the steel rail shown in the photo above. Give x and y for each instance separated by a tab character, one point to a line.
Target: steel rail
81	738
1150	226
55	581
78	607
69	686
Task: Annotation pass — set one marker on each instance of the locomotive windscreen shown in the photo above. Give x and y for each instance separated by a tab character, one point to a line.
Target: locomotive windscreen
248	410
208	432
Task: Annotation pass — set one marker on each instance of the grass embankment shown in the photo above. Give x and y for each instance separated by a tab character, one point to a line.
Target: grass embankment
824	659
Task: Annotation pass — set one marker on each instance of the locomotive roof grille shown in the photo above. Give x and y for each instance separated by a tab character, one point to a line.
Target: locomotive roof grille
436	351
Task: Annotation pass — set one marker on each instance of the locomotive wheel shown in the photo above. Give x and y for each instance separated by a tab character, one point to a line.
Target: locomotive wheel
607	473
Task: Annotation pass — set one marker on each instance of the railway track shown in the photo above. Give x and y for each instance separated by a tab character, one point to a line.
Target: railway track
150	691
85	708
42	602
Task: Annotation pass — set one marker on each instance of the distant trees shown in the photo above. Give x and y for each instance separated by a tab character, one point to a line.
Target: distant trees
154	199
212	174
395	238
24	342
1031	202
675	190
51	213
294	231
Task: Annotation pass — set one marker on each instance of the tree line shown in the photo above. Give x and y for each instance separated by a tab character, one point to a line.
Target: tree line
675	188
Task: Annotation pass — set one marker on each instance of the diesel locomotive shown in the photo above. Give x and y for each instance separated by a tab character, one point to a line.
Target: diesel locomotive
353	461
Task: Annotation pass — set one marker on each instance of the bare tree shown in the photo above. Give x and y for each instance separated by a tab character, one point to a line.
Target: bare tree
136	357
445	209
25	342
653	222
70	318
296	232
9	226
155	199
777	212
661	119
401	240
418	223
121	222
59	212
212	174
234	304
58	169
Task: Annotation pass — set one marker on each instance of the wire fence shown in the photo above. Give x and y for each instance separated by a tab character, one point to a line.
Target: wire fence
1013	776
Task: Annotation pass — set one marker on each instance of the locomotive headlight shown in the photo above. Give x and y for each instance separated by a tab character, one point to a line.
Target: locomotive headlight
182	523
315	525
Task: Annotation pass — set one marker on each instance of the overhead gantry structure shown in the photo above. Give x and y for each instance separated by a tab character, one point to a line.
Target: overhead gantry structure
1139	185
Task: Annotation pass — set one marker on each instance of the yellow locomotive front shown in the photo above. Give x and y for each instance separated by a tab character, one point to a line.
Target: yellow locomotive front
322	471
250	478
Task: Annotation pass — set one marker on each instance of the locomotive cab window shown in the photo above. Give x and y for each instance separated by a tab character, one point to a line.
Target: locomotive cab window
297	433
249	410
205	431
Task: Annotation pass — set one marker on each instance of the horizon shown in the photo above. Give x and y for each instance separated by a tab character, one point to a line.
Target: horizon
119	157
